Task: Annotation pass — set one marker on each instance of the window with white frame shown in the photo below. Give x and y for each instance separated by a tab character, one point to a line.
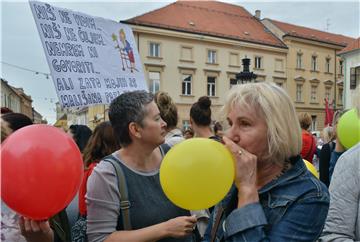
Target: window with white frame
341	67
313	123
186	84
258	62
327	65
299	92
154	49
299	60
313	63
313	93
154	81
354	77
211	56
327	93
211	86
340	96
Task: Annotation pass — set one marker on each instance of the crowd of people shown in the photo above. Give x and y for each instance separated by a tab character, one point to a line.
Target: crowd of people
273	198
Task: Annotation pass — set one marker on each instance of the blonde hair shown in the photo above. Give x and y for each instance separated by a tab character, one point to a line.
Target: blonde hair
274	105
328	134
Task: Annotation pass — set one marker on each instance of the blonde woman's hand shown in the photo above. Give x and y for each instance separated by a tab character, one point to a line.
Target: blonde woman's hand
245	173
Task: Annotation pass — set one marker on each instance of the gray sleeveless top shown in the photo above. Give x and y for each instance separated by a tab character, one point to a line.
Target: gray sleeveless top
148	203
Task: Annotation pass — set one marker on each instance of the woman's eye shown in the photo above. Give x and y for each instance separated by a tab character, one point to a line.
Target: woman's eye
244	123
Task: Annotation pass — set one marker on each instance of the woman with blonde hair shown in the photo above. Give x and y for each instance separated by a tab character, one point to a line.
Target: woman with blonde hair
274	196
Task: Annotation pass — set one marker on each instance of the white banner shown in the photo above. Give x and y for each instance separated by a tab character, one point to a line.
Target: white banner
92	60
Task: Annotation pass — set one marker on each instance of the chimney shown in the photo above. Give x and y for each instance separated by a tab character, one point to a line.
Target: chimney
257	14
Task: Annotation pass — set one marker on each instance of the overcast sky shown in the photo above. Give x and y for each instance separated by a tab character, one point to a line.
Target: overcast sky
21	45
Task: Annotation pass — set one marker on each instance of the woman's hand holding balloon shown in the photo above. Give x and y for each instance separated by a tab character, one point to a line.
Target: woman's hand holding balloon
180	226
35	231
245	173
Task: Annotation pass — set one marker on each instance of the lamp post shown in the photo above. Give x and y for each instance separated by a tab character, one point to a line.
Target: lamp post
245	76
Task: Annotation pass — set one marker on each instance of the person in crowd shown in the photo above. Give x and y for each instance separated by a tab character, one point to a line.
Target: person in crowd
10	230
188	133
200	119
308	141
101	143
342	222
81	134
5	110
140	130
274	196
326	152
339	148
218	130
168	112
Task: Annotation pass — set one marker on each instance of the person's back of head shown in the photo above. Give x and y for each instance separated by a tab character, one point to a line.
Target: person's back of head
188	133
12	122
81	134
126	108
217	128
5	110
168	109
328	134
305	120
200	111
101	143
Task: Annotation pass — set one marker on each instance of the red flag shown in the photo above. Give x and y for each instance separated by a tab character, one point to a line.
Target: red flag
329	113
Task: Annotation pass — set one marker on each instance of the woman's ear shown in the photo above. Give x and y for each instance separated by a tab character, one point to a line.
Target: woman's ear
134	130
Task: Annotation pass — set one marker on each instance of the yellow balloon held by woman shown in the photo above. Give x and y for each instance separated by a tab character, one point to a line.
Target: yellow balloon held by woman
197	173
311	168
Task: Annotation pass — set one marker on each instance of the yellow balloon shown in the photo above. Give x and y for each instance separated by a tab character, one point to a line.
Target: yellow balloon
197	173
311	168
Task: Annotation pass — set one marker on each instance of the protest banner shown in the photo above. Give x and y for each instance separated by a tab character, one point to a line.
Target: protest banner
92	60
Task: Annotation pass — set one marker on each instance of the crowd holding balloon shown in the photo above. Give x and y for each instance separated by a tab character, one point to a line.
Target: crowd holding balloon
138	177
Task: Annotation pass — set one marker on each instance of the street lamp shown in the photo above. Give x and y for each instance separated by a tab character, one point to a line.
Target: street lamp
245	76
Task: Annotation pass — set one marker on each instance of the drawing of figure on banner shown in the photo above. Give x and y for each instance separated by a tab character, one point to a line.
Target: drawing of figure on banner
126	51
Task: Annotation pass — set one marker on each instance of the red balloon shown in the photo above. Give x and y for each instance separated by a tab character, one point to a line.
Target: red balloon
41	169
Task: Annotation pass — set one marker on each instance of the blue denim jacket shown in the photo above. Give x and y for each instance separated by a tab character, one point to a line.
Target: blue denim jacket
291	208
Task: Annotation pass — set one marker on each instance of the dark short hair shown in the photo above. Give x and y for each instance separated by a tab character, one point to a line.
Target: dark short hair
81	134
126	108
200	111
16	120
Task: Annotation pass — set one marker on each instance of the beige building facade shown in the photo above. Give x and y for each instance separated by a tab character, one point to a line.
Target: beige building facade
189	66
314	71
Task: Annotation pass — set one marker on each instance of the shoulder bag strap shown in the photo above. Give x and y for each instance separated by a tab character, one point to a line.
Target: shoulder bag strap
216	223
123	193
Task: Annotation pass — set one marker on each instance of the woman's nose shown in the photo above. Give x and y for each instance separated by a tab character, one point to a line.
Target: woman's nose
232	134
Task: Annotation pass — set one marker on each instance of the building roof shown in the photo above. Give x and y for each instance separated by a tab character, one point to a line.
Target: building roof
312	34
20	92
210	18
355	45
